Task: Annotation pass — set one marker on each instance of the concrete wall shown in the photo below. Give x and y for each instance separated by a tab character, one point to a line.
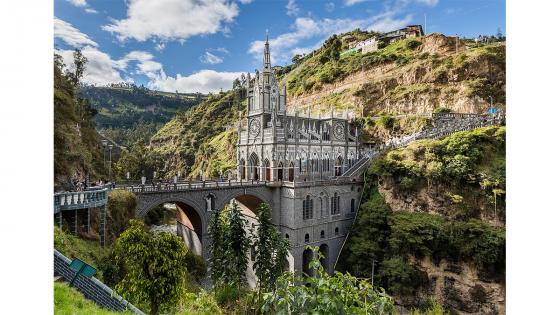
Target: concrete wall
91	288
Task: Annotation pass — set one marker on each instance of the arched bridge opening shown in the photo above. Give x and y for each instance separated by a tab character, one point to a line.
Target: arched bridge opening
188	221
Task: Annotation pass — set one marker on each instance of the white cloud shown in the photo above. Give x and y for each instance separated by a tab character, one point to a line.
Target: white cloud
245	1
292	8
71	35
78	3
203	81
160	46
329	6
145	65
173	19
428	2
352	2
210	58
389	24
92	11
100	69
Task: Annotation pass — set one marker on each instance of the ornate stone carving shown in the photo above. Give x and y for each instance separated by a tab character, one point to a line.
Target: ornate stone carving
254	127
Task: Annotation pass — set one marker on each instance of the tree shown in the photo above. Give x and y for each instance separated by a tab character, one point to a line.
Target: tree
271	250
154	264
296	59
217	230
80	62
238	246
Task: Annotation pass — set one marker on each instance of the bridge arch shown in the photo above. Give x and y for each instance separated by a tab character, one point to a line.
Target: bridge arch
250	198
191	219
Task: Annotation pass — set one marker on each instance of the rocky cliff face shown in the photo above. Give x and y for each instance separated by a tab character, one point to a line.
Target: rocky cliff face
460	288
439	72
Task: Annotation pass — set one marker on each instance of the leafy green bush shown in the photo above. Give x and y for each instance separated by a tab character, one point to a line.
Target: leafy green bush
199	303
413	44
155	275
442	110
196	266
386	121
325	294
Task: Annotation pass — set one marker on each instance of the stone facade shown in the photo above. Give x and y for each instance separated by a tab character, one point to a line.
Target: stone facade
306	156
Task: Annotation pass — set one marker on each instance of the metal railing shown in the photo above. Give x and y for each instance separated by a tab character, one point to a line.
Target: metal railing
80	199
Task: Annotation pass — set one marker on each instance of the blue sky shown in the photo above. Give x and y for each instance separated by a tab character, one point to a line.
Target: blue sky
202	45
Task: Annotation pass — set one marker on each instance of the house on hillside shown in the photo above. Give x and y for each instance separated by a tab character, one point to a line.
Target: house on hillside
372	43
406	32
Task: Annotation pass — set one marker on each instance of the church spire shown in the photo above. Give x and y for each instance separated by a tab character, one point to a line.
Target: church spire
266	57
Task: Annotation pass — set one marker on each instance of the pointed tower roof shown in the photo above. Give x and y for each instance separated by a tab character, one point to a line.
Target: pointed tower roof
266	57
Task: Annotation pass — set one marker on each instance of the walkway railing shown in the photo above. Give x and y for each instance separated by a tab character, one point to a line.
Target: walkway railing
80	200
189	185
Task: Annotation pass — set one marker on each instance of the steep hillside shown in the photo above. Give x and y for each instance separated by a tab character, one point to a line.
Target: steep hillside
128	114
432	217
415	75
202	138
124	106
77	150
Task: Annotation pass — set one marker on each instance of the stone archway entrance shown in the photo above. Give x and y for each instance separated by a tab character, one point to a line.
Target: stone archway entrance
306	259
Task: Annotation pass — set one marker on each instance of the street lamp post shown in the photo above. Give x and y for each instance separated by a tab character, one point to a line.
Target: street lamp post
104	143
110	162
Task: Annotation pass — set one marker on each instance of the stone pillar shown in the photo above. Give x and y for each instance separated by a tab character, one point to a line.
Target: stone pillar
74	227
60	219
102	226
88	220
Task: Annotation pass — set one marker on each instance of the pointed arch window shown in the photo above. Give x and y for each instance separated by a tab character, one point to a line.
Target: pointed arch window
335	204
307	208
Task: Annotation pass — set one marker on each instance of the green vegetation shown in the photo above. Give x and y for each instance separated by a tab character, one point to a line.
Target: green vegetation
325	65
200	139
468	164
271	248
442	110
155	275
124	105
325	294
77	149
229	247
68	301
87	250
121	207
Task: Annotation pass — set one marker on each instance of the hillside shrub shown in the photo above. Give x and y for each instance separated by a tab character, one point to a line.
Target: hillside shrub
121	207
399	277
386	121
442	110
325	294
413	44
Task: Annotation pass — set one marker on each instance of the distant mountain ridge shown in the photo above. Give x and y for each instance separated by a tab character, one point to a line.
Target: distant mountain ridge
123	105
